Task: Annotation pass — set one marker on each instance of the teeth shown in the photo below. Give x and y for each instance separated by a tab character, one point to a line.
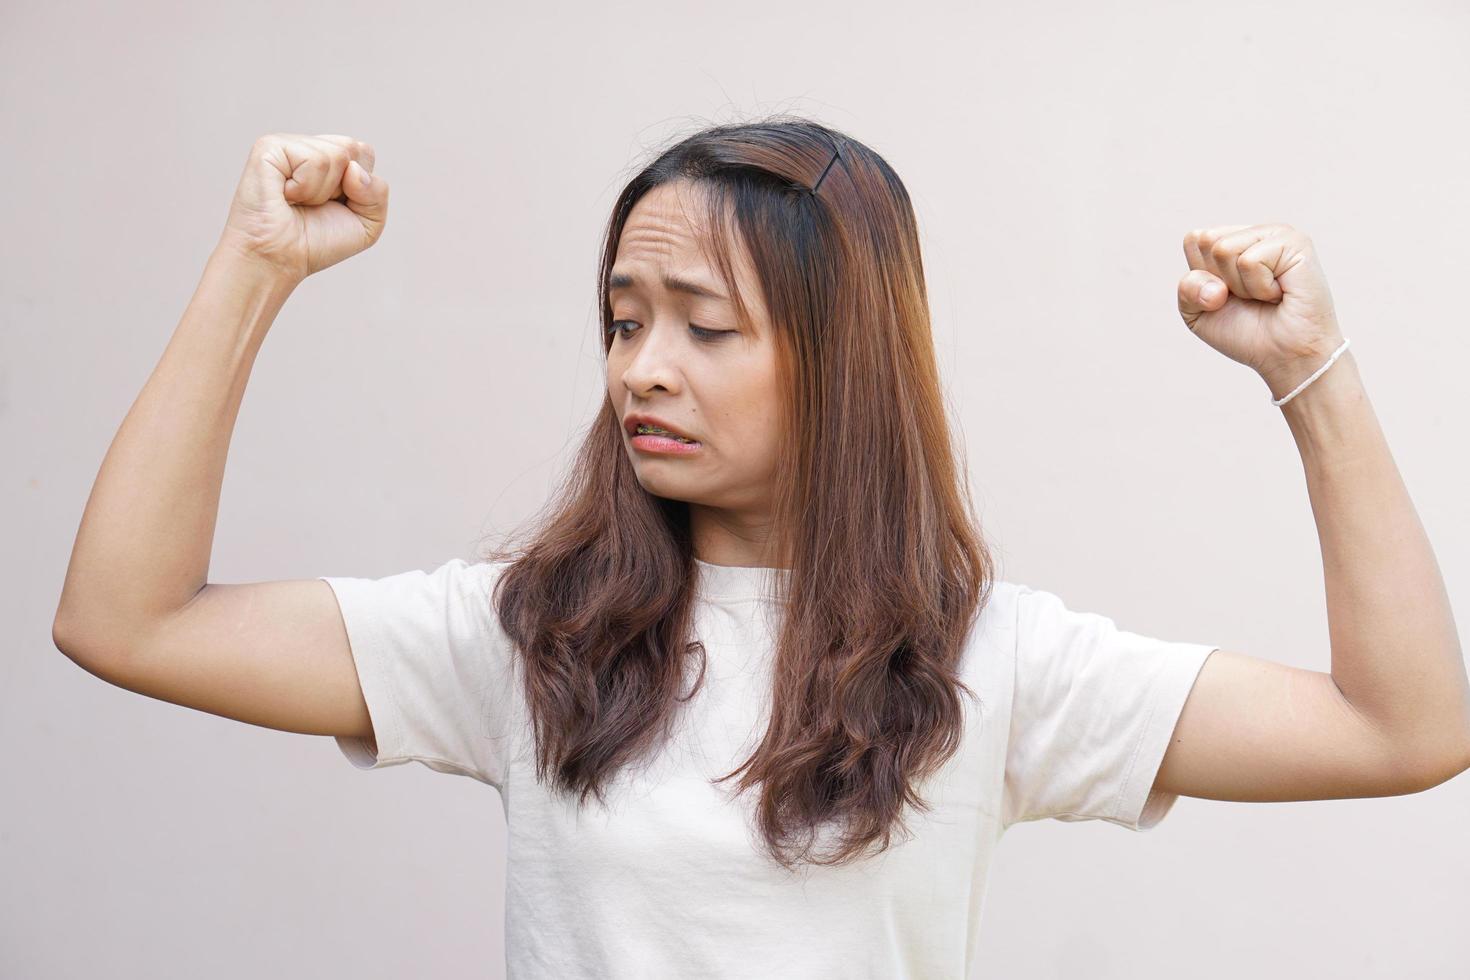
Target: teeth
644	429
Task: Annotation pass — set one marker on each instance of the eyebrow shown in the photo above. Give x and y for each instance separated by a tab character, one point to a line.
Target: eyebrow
621	280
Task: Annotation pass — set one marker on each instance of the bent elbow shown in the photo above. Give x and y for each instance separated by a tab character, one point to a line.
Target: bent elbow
1432	769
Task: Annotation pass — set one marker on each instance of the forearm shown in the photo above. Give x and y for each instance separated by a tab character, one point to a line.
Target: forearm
142	549
1395	652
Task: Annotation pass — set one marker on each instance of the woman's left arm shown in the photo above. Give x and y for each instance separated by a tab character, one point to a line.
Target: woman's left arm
1393	716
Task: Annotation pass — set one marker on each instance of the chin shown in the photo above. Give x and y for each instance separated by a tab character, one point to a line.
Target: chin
670	489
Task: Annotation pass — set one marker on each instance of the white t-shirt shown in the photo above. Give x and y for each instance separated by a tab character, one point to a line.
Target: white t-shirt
1075	717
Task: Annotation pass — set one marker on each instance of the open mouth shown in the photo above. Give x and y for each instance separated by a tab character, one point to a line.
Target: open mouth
643	429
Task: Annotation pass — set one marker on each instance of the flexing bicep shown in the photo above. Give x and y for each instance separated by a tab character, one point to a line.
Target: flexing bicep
273	654
1254	730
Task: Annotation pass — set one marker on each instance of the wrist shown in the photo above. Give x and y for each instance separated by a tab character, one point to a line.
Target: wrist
242	292
253	269
1326	414
1301	373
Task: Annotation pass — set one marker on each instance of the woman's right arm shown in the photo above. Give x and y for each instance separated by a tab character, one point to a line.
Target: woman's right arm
136	608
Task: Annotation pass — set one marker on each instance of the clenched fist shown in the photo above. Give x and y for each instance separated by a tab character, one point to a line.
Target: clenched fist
305	203
1258	295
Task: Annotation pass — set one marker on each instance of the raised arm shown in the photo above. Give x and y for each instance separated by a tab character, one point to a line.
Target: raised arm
1393	715
136	608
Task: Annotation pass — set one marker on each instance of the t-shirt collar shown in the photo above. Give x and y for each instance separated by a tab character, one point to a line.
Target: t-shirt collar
741	581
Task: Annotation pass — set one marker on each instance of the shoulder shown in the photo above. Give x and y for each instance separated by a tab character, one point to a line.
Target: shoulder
1020	621
466	578
453	598
1002	605
480	572
991	641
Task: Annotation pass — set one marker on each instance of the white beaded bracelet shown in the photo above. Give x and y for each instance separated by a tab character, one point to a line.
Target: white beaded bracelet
1315	375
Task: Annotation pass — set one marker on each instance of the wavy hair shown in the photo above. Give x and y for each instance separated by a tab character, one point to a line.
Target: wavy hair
886	567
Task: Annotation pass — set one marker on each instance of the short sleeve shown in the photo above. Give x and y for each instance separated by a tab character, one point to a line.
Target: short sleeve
435	669
1093	710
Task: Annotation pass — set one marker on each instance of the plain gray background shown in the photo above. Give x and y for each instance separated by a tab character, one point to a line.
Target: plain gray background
431	390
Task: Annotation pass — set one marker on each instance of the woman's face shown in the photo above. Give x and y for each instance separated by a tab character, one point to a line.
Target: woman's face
683	357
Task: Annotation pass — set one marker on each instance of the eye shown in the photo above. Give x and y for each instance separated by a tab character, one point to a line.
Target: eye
699	332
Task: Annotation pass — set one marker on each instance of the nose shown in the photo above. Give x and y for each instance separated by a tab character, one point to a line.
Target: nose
654	362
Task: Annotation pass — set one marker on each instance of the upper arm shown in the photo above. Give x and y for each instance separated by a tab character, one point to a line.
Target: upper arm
1254	730
274	654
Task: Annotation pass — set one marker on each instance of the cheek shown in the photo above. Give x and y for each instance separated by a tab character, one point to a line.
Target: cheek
761	408
762	428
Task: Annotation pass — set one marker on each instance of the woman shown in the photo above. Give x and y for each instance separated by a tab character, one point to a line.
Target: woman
753	697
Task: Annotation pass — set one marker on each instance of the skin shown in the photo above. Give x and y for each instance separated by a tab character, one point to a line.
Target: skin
1393	714
719	388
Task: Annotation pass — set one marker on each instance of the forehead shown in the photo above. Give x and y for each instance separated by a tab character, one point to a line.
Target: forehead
666	228
666	245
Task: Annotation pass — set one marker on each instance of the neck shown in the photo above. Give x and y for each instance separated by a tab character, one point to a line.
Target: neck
726	537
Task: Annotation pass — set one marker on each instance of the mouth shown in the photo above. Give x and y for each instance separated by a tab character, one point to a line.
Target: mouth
650	436
665	446
640	425
644	429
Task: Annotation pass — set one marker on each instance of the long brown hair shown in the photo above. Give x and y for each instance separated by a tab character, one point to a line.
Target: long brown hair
887	569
